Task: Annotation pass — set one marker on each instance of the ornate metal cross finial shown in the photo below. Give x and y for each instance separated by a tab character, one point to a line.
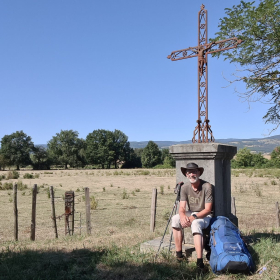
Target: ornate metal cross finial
201	131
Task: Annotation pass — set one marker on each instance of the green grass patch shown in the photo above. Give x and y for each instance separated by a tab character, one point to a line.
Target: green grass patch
28	176
123	262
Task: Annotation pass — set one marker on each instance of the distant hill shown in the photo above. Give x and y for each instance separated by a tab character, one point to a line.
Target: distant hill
257	145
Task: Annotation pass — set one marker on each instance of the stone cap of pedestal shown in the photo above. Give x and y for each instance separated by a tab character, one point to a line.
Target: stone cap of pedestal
202	151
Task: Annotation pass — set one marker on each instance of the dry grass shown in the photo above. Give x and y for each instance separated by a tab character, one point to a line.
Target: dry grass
124	221
124	198
255	198
114	219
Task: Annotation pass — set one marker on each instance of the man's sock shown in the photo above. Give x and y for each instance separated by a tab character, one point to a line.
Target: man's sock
199	263
179	254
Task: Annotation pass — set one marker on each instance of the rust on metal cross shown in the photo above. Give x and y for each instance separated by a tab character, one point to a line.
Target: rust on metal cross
203	129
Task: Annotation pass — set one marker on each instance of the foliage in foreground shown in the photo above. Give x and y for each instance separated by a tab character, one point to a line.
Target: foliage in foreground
124	263
112	263
257	24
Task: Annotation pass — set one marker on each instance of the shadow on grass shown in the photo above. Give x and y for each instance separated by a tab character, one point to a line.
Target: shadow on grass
263	245
113	263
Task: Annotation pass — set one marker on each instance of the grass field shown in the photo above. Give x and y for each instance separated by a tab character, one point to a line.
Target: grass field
121	222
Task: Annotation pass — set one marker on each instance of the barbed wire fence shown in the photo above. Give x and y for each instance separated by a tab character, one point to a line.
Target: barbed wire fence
51	213
41	213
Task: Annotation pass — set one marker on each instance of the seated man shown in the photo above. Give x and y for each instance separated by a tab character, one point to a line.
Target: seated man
195	209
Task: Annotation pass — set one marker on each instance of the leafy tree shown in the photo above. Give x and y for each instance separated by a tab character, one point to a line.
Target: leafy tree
65	148
258	160
3	162
16	148
259	54
105	147
134	160
167	159
151	155
40	158
275	157
99	145
243	158
138	152
121	147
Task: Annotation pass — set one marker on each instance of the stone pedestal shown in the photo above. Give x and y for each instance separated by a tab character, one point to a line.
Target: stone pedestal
215	159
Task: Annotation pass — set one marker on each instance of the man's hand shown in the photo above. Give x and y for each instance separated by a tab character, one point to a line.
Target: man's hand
191	218
185	221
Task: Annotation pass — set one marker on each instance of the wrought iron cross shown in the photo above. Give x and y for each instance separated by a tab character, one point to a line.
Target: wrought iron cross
203	128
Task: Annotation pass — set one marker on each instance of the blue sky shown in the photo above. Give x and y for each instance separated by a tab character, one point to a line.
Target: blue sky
86	65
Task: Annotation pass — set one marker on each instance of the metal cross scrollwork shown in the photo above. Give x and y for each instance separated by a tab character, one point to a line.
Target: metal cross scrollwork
203	129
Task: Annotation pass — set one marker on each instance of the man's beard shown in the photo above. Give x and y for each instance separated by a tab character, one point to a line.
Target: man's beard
193	179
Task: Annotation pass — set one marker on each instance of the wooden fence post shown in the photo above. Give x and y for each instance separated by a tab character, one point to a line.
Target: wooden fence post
15	213
233	208
153	210
87	200
53	212
33	214
69	212
277	215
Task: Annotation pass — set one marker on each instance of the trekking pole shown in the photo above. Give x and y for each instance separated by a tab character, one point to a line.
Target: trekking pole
177	191
171	235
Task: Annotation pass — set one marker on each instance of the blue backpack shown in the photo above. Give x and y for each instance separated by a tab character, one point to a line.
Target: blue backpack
228	251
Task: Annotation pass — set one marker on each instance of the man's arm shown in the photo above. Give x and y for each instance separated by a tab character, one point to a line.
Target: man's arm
184	219
203	213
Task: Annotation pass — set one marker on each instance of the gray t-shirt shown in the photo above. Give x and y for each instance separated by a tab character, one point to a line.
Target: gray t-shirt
196	199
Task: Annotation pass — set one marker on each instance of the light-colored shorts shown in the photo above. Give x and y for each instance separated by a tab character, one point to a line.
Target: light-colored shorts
197	225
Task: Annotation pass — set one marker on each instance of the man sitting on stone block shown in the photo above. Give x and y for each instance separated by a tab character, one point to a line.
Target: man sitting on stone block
196	201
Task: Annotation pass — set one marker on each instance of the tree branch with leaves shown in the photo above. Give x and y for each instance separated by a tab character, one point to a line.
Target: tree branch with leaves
258	55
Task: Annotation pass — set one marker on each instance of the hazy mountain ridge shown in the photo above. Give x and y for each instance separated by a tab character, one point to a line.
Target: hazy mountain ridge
258	145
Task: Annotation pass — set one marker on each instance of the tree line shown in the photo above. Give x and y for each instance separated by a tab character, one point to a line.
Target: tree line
101	149
245	158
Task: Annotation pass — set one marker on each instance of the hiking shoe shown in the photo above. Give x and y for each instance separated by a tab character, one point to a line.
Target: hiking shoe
200	264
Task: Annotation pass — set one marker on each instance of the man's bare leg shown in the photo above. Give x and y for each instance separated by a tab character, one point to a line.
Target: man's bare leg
198	244
178	239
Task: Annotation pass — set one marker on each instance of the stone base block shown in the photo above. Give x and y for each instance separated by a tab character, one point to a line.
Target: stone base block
188	237
153	245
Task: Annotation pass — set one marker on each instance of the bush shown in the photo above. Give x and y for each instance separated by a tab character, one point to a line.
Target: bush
125	194
6	186
93	203
28	176
12	175
21	186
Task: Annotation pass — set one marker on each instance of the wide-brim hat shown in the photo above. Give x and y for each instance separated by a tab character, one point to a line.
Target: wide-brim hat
191	166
